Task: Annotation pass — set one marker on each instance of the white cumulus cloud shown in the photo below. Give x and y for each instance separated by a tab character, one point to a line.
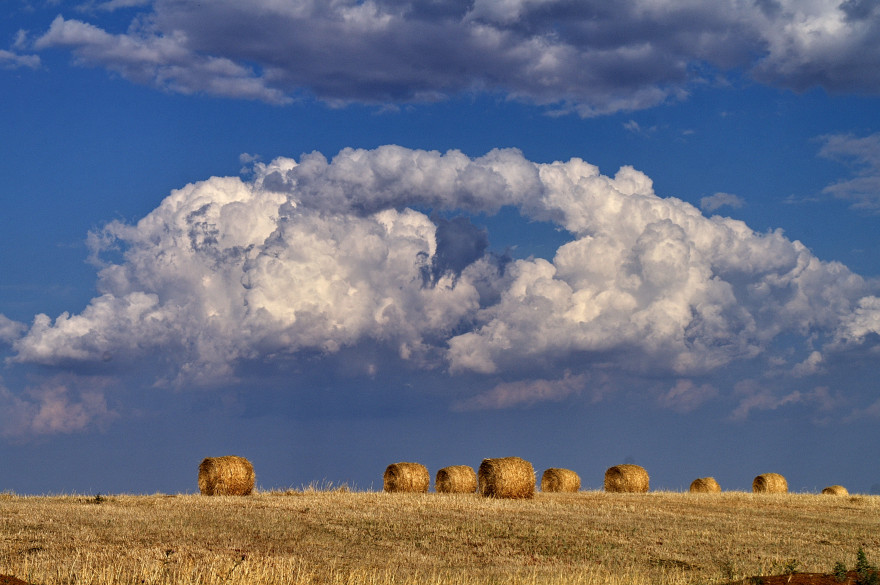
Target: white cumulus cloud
317	255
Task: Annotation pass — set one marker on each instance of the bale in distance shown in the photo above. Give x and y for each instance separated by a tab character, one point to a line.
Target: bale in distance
456	479
627	478
229	475
705	485
556	479
406	478
506	477
770	483
835	490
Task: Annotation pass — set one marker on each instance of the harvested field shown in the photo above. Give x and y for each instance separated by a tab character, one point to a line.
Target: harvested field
377	538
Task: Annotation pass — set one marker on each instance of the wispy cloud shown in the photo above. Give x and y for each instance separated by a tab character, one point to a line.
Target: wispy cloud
719	200
587	57
10	60
60	404
862	154
636	128
872	411
524	393
111	5
162	61
754	396
686	396
10	330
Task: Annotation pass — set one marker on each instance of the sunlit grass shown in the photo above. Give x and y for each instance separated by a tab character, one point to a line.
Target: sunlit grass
330	534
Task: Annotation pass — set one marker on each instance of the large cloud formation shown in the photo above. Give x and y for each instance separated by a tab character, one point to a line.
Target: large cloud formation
315	256
590	56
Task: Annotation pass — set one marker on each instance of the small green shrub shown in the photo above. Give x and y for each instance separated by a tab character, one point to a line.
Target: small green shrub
867	573
728	570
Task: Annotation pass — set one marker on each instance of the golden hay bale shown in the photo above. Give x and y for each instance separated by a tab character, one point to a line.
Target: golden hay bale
406	477
835	490
506	477
705	485
456	479
226	476
556	479
770	483
626	478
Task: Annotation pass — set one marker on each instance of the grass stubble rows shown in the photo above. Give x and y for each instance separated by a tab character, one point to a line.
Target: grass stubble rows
372	538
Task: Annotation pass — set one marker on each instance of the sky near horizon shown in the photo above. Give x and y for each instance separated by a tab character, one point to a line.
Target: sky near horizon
331	236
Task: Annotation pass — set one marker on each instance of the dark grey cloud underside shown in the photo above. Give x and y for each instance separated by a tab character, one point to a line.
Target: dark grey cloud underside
590	57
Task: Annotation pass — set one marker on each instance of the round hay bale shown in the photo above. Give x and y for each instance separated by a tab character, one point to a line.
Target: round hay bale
556	479
627	478
705	485
835	490
456	479
770	483
406	478
506	477
229	475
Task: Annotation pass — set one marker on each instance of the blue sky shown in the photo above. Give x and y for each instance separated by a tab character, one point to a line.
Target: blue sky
329	236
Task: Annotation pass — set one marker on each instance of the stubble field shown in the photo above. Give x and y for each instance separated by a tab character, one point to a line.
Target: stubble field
361	538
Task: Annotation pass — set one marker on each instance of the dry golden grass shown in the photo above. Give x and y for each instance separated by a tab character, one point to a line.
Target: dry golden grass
370	538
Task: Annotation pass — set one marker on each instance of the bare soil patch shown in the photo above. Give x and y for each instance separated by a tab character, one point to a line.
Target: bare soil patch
10	580
800	579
